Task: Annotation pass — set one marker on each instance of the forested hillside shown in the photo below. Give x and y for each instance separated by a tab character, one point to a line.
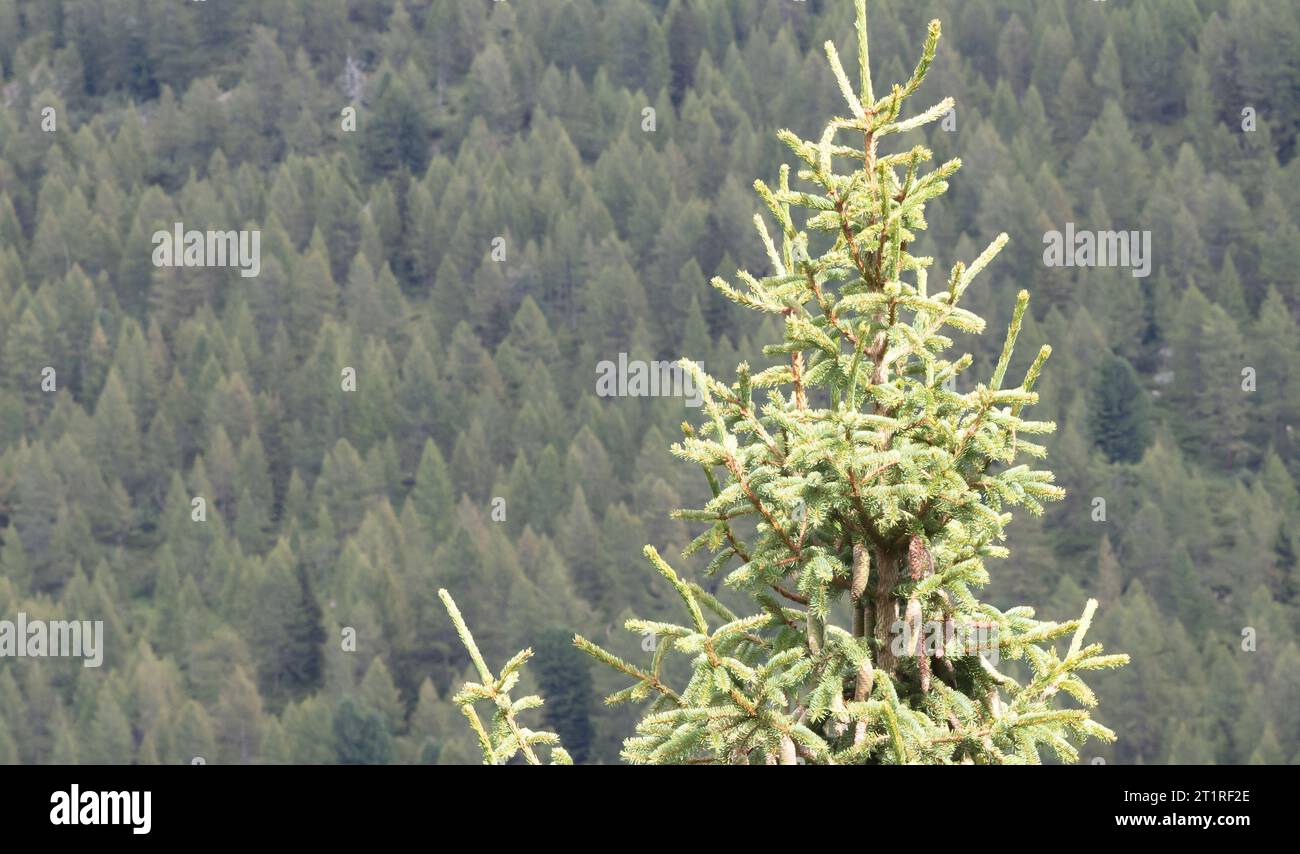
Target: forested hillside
465	207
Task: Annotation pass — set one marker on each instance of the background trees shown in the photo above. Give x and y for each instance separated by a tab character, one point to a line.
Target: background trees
1108	115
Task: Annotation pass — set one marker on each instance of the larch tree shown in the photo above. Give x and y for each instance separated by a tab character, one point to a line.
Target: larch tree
856	499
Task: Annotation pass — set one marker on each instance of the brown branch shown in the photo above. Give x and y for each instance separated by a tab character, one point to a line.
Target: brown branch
734	467
790	594
796	368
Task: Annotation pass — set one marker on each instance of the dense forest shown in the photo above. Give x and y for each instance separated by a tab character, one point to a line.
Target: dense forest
465	207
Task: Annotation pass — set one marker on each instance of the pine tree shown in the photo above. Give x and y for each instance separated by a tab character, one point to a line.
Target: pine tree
564	677
109	732
507	738
286	622
360	736
1119	416
874	490
238	720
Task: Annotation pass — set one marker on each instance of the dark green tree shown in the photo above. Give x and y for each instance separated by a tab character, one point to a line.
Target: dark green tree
1119	411
360	736
564	677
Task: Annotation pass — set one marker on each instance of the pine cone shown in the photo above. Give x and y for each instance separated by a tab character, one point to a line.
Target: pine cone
919	559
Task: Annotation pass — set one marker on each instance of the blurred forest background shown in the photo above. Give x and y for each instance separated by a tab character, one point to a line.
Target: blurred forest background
478	120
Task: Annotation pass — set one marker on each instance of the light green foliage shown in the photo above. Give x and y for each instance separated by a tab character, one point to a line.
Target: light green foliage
507	738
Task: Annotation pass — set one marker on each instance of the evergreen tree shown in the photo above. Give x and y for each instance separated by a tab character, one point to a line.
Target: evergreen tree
1119	415
238	720
874	489
286	623
360	736
109	739
564	678
507	738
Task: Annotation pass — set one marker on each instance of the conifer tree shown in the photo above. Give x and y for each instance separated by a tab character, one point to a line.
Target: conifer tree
508	737
1119	412
360	735
874	491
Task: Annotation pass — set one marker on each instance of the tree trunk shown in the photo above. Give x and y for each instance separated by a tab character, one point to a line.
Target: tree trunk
886	608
